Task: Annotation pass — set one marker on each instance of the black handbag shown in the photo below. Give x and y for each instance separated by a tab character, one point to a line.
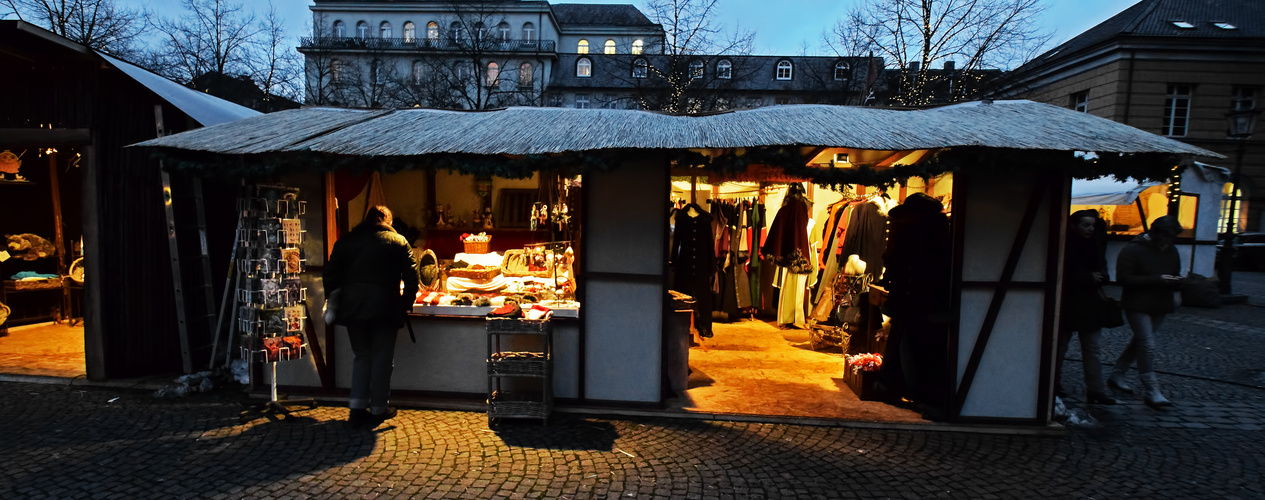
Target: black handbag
1109	313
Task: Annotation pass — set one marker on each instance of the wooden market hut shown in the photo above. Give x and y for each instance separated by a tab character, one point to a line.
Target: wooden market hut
1012	163
70	110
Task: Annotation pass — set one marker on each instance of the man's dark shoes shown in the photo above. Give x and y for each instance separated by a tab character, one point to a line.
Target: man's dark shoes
375	420
1098	398
358	418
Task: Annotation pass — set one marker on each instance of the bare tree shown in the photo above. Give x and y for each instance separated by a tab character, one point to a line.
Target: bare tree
912	35
99	24
692	36
276	66
212	36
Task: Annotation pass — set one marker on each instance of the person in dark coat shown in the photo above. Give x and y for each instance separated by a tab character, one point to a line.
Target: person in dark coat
363	279
1084	272
1148	270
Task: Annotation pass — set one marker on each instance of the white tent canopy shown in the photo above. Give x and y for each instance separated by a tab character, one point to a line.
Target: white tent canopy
1107	191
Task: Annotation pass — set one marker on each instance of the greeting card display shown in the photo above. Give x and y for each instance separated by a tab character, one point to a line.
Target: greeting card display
271	295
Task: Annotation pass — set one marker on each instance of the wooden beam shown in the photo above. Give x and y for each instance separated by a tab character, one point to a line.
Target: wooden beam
30	137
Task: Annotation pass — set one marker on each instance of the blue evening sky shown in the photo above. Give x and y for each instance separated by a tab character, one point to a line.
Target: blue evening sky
782	28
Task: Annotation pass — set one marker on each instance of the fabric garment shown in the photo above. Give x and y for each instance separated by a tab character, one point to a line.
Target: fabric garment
1090	340
1082	292
374	349
1141	348
866	236
366	268
792	308
787	242
1139	268
693	261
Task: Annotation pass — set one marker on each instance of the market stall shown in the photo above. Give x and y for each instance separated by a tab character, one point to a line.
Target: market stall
1009	194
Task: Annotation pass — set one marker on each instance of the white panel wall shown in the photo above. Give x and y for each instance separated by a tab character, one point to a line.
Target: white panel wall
625	252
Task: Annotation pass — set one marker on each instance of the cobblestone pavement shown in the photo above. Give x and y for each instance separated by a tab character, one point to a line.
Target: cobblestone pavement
65	441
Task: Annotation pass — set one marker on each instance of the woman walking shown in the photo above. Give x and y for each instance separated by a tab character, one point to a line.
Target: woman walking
1148	271
1084	271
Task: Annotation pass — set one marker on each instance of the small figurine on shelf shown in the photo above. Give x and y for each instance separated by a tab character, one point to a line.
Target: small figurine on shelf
441	216
487	218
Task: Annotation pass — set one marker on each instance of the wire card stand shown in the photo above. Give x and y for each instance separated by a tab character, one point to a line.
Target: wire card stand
270	296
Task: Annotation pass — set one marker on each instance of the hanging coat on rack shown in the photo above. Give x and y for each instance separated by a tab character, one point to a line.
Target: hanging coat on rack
693	260
787	243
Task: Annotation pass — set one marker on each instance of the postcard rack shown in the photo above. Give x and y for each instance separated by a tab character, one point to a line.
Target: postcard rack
270	296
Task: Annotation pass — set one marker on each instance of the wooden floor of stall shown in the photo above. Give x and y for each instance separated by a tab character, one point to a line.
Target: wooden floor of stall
753	367
43	349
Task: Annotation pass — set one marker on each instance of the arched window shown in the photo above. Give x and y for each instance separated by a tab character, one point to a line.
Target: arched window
638	46
335	70
610	47
455	33
494	72
525	75
432	31
784	70
340	29
503	31
462	69
480	31
583	67
419	70
362	29
842	71
696	69
582	47
384	30
640	68
410	32
529	32
724	69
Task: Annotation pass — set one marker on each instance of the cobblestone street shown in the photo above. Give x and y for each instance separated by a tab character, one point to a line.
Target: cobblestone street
70	441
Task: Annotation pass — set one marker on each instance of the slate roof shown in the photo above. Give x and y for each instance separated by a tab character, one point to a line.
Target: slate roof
588	13
751	73
1154	18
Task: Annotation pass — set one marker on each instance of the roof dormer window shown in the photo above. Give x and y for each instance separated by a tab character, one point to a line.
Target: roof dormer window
1183	25
1225	26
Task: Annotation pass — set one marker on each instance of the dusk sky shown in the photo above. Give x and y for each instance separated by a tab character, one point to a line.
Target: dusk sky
782	28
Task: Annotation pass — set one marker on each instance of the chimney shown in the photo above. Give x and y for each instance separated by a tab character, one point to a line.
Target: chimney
949	65
913	66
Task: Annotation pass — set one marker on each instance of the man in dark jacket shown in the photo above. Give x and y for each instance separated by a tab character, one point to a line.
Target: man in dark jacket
1148	270
363	278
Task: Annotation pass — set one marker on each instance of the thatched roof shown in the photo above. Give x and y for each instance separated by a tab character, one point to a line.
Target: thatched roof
413	132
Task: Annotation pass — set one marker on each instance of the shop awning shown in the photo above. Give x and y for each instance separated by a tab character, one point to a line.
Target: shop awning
522	131
1107	191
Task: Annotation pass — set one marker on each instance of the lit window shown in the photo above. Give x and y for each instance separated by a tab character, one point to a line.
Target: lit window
1225	26
410	32
842	71
432	31
1183	25
640	68
418	70
340	29
1176	111
696	69
582	101
529	32
503	30
638	46
362	29
525	75
610	47
1080	102
724	69
584	68
384	30
784	70
494	71
582	47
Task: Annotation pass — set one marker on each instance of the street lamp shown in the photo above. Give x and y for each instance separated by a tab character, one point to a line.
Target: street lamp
1240	124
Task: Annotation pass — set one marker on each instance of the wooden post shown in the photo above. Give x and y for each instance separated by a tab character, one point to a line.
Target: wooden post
59	241
94	331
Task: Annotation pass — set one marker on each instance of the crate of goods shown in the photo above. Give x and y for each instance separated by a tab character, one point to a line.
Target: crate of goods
478	243
40	284
474	272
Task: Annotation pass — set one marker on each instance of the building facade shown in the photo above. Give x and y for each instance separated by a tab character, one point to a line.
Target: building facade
1170	67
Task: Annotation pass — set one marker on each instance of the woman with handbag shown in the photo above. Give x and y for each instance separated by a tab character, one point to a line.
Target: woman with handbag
1148	270
1084	272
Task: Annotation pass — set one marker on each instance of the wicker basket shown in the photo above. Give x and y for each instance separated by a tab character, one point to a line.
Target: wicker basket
477	246
476	274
